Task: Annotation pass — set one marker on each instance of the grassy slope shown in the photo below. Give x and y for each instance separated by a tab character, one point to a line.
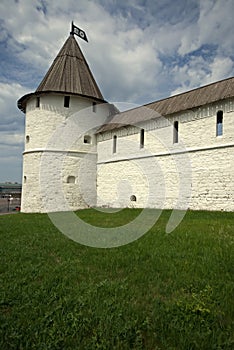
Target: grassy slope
164	291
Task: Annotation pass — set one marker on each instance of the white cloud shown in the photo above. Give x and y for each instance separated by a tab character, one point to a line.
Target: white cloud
219	68
11	132
216	25
189	40
200	72
9	94
12	139
117	40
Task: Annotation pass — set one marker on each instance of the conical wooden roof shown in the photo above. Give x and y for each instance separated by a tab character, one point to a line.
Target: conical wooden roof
70	73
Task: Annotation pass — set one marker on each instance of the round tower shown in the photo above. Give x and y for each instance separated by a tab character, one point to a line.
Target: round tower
59	160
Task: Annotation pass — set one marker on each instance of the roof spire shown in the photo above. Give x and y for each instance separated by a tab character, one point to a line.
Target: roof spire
71	32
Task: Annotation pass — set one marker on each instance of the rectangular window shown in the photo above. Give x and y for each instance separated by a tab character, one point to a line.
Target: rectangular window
219	123
176	132
114	143
66	101
142	138
94	107
87	139
38	102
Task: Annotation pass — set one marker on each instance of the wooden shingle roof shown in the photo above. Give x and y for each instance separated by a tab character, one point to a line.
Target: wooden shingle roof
191	99
68	74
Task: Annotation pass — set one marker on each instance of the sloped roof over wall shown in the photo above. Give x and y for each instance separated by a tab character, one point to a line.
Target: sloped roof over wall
68	74
188	100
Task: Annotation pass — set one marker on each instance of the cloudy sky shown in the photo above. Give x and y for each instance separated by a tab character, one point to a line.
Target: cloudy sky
139	51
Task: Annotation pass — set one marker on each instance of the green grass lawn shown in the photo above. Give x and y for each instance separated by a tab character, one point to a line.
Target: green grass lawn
163	291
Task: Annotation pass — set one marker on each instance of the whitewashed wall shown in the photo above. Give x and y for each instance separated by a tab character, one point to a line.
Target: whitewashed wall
196	173
55	150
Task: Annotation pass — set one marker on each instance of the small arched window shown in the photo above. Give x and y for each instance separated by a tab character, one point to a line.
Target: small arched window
133	198
71	179
219	123
114	143
27	139
176	132
37	102
142	138
25	179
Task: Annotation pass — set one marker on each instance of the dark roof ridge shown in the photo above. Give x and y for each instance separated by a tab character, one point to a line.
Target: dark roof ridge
189	91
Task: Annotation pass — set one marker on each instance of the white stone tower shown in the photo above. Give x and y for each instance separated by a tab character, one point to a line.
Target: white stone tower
59	160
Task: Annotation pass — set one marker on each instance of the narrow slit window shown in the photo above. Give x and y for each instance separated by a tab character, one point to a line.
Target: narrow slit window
38	102
27	139
66	101
114	143
176	132
142	138
94	107
219	123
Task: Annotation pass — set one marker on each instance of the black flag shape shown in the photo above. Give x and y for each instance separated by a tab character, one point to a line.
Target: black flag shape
79	32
